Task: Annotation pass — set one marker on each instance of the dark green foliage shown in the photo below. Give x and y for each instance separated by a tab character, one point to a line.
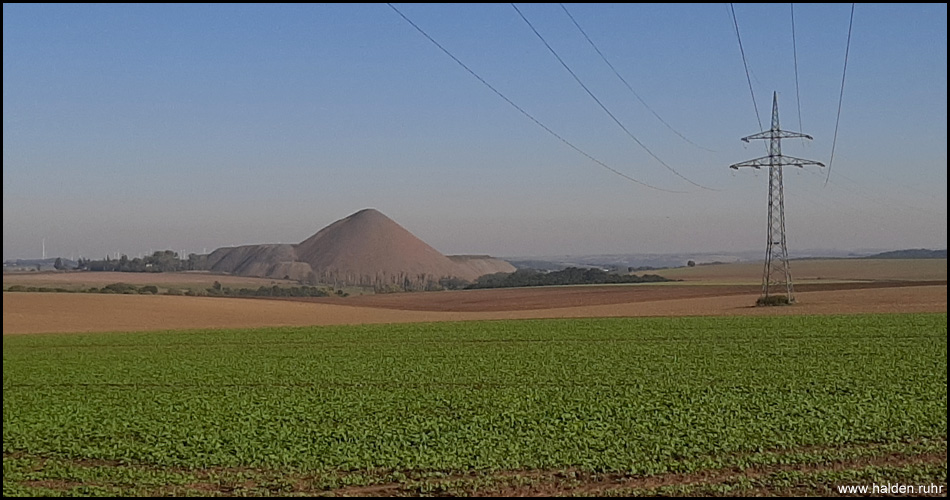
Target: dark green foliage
772	300
268	291
569	276
453	283
119	288
217	290
196	262
123	288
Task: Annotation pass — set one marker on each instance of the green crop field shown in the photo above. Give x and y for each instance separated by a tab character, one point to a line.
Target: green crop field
792	405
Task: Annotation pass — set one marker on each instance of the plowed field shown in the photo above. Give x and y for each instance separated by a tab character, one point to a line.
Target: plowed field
63	312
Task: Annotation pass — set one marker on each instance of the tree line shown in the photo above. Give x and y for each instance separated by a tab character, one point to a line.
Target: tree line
569	276
216	290
162	261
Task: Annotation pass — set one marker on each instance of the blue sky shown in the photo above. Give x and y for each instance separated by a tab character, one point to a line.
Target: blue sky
142	127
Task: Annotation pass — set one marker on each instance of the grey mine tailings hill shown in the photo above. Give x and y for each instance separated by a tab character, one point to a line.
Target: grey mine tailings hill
366	249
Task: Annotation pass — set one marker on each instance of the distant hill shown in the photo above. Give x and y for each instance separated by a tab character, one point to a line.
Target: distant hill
266	261
366	249
480	265
915	253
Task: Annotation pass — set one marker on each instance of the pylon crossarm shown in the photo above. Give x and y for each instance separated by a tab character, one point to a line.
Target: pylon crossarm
776	161
777	134
756	163
791	161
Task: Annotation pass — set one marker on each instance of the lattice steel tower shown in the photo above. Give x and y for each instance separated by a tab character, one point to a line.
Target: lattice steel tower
776	277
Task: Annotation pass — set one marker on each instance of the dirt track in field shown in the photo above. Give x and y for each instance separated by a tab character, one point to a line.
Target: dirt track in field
63	312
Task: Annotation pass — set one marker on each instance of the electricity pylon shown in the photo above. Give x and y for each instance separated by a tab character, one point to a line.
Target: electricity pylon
776	278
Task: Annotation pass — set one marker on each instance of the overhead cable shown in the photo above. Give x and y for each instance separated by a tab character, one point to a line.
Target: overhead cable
601	104
522	110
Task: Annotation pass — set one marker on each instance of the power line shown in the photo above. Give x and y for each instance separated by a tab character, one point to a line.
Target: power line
833	201
841	95
521	110
880	198
622	79
746	65
798	99
601	104
850	210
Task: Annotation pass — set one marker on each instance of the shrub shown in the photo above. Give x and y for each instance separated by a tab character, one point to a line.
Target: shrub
120	288
772	300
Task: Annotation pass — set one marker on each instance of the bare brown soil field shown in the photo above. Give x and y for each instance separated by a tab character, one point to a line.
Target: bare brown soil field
86	279
816	270
58	312
556	297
